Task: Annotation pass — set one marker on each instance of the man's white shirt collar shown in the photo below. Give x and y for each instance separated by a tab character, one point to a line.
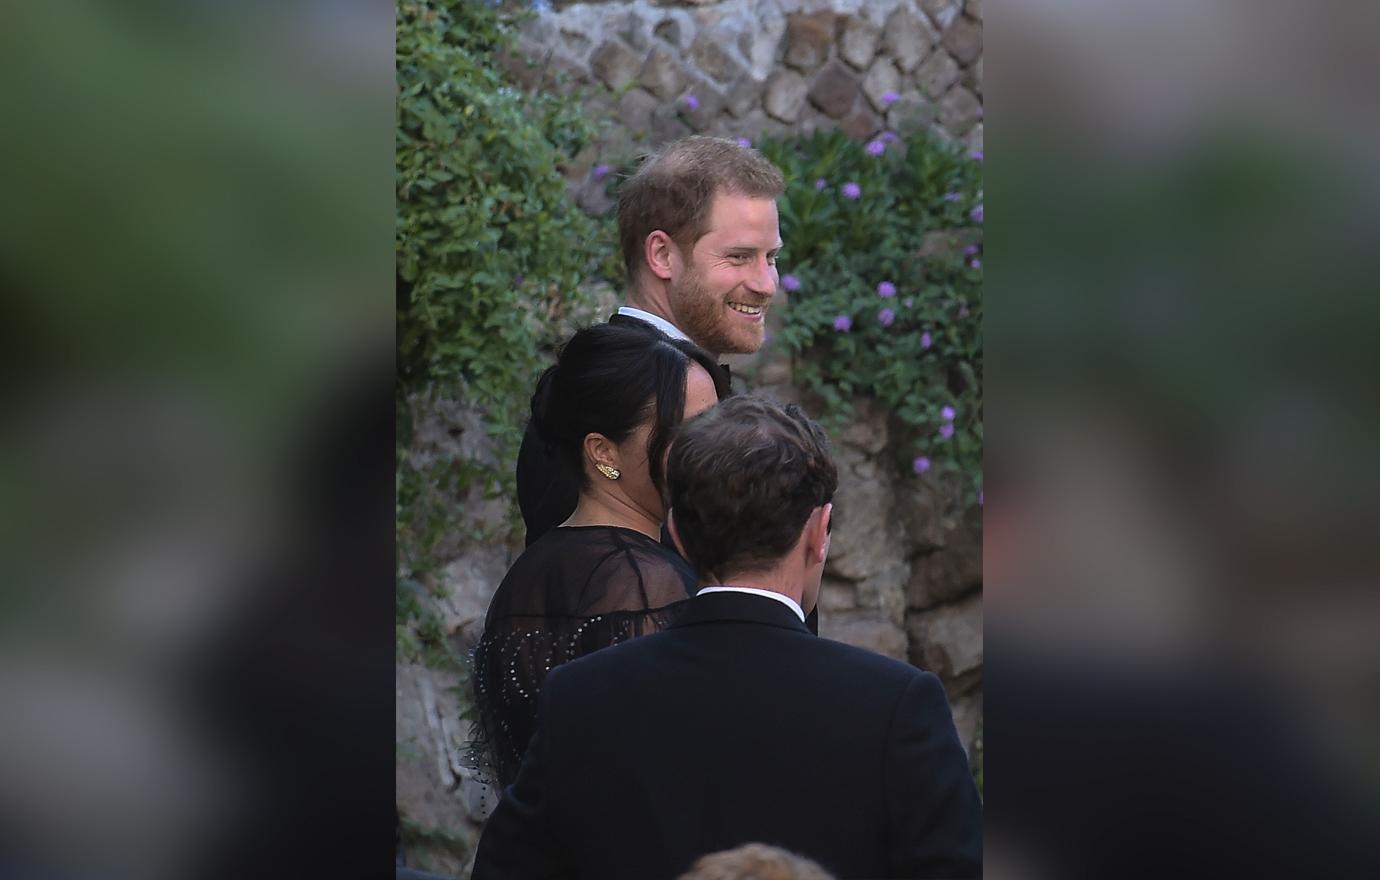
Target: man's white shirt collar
783	599
656	321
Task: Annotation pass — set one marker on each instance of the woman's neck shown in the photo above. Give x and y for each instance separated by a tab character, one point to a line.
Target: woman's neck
604	510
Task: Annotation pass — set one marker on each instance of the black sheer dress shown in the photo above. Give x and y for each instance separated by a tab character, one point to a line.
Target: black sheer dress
575	590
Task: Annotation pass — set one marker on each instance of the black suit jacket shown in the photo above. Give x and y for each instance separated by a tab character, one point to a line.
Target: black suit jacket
656	751
547	494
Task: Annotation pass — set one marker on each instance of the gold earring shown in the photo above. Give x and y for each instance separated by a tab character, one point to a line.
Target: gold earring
610	472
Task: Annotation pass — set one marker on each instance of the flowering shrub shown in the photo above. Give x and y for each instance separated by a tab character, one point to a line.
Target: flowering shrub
885	300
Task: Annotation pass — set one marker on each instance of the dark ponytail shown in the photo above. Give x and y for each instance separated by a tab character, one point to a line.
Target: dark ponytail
610	378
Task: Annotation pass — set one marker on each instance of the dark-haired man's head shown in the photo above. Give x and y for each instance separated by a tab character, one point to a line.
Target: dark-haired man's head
751	481
698	228
612	403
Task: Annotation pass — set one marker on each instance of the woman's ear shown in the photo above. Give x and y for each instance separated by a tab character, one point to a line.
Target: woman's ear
600	450
660	253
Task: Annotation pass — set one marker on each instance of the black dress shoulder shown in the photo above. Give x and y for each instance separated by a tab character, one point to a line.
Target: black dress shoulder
573	591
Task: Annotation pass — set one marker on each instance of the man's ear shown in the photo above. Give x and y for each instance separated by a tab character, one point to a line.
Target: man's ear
599	450
675	533
660	254
817	537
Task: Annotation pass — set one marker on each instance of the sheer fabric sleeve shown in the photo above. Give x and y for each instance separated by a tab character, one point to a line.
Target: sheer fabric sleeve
632	589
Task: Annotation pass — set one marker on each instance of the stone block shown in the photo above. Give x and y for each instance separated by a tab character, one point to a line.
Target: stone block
865	630
744	96
858	42
834	91
974	9
867	535
862	124
708	106
941	12
908	38
882	78
967	712
936	75
671	31
963	39
912	112
667	125
975	138
752	126
836	595
785	97
615	64
710	51
635	30
662	74
868	430
947	640
809	39
959	110
635	111
885	591
944	575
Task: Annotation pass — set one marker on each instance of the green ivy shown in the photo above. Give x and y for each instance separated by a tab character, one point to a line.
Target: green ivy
908	227
491	251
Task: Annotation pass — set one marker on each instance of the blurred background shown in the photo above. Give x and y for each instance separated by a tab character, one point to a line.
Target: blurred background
196	261
1182	501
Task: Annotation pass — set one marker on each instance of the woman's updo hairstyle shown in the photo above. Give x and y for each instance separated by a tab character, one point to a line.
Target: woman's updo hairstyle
610	378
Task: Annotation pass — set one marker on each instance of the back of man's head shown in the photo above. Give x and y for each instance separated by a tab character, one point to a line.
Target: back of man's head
755	861
744	477
674	188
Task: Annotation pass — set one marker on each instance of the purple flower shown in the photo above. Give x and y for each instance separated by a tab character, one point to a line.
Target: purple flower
979	498
970	250
910	301
921	464
925	341
843	323
975	155
980	112
518	279
886	290
946	430
744	143
963	310
889	98
820	184
890	137
886	317
976	214
952	197
875	148
692	102
976	264
851	190
947	413
600	172
790	282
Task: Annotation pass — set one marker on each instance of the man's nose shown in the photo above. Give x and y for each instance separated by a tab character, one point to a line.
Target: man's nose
764	278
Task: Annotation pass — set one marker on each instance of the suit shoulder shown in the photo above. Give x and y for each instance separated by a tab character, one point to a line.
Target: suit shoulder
877	666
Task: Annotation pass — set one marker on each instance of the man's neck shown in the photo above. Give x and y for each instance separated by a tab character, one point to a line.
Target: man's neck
788	584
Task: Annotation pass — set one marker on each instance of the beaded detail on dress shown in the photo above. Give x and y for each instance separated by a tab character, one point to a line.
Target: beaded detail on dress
574	591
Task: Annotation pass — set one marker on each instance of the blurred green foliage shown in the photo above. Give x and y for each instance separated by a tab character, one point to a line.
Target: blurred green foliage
917	351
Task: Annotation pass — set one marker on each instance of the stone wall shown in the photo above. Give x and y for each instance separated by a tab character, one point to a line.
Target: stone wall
656	71
905	572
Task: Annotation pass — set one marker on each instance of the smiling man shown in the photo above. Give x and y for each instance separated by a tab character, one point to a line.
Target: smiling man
697	225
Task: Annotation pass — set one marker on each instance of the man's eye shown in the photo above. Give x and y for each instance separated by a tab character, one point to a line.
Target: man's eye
771	259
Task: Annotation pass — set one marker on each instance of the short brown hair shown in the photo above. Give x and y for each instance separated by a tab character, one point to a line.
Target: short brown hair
755	861
674	187
744	477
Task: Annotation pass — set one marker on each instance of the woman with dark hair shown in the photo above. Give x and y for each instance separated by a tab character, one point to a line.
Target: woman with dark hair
607	412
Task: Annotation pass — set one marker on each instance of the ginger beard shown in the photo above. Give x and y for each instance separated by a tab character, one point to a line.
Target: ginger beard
708	319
